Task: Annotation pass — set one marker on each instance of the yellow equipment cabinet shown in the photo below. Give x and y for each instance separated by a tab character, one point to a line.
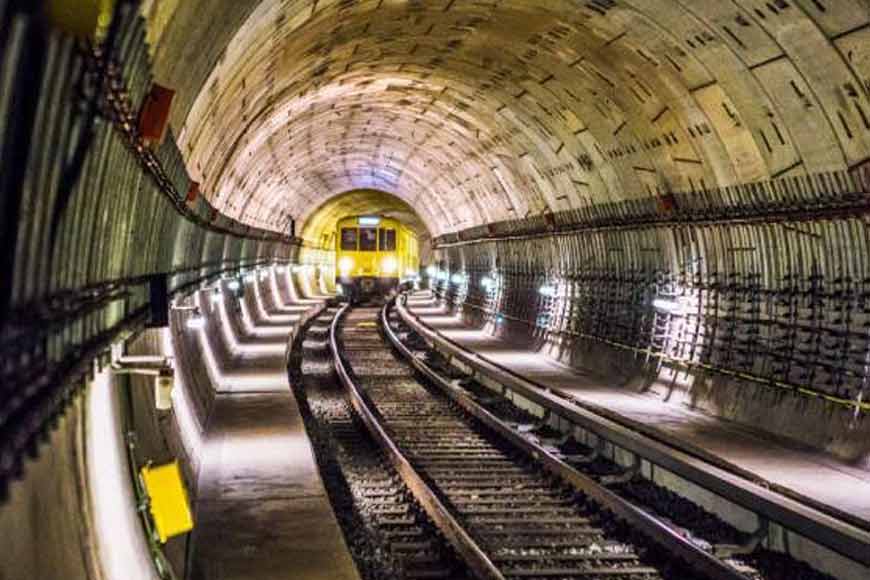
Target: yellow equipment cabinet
170	508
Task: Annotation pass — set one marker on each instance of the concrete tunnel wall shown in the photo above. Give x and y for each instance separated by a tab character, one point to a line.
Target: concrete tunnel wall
69	524
475	113
633	125
80	248
727	354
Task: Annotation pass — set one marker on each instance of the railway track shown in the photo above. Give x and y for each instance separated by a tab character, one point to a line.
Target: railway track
509	508
386	531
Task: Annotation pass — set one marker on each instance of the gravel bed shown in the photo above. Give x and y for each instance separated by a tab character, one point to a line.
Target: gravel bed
356	475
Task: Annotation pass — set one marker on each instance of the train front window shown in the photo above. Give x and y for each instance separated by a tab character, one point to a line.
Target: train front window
348	239
387	241
368	239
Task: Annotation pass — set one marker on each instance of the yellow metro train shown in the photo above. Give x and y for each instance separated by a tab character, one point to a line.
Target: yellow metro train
374	255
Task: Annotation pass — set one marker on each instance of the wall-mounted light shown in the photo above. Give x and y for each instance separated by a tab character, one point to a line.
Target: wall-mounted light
457	278
431	271
487	283
234	285
163	385
195	322
547	290
669	305
249	277
280	269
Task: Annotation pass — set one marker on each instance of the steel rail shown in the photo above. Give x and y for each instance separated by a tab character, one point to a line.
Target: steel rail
477	561
795	514
651	527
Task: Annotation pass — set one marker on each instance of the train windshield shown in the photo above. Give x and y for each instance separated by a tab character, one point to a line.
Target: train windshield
387	241
348	239
368	239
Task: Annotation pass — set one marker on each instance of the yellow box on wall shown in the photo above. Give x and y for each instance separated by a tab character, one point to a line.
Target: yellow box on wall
170	507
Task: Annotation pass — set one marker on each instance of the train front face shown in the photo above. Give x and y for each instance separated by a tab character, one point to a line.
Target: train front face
373	255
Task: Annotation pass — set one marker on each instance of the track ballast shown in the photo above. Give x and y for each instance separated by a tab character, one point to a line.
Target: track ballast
504	513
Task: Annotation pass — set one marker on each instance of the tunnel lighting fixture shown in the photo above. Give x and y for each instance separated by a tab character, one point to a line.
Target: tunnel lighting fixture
547	290
487	283
280	269
234	285
669	305
369	220
499	319
457	278
216	296
195	322
345	265
389	265
431	271
249	277
164	384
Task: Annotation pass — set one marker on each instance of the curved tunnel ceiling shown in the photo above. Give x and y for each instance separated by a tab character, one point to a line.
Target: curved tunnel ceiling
319	222
474	112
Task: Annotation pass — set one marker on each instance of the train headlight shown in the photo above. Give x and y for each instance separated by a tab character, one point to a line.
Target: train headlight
389	265
345	265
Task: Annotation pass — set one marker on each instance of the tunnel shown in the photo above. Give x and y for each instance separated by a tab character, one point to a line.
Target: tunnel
641	299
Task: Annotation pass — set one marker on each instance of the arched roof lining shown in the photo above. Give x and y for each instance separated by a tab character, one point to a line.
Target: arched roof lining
475	112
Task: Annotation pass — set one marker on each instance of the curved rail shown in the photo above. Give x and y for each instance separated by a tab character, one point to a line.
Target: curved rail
477	561
699	560
793	513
